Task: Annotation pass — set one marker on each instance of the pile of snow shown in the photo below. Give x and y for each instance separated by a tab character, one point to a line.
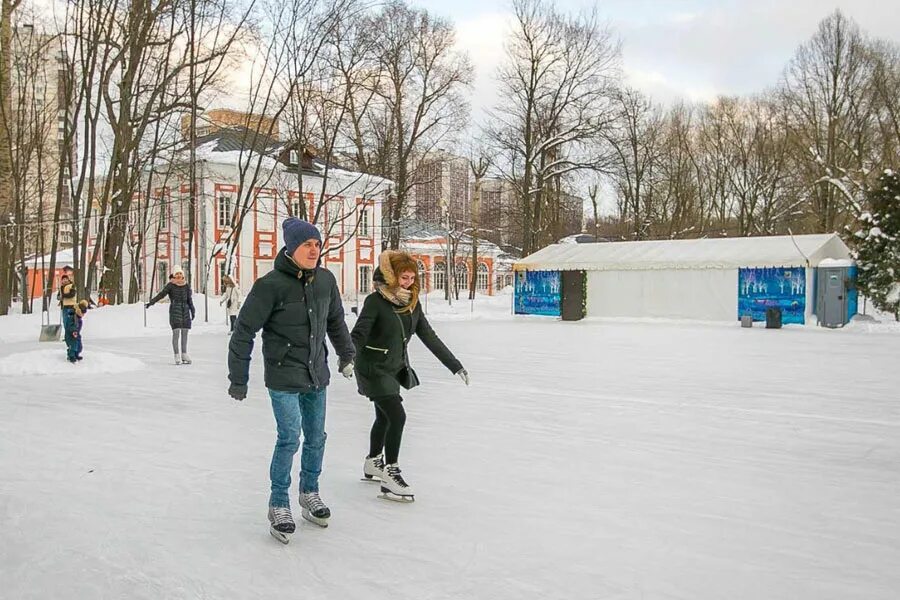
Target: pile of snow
52	361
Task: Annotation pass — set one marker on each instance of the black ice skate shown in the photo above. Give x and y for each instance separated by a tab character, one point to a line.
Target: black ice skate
281	523
393	487
314	510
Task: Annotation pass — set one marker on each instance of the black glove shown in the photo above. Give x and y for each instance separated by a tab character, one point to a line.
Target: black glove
148	305
238	392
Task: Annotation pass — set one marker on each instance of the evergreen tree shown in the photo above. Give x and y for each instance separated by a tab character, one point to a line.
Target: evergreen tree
878	245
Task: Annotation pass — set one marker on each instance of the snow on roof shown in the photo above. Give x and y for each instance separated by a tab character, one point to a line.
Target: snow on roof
706	253
63	258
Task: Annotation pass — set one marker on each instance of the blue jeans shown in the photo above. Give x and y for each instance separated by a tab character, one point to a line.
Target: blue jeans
73	336
296	412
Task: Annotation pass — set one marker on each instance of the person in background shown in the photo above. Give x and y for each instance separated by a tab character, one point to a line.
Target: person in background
68	302
232	300
181	313
80	310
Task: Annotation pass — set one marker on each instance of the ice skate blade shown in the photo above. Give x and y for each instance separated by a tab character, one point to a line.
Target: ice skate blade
284	538
370	479
315	520
404	499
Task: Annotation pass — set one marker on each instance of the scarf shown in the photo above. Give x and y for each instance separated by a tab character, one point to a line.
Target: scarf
397	296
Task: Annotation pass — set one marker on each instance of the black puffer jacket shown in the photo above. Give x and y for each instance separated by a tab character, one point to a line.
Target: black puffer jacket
295	310
381	335
181	305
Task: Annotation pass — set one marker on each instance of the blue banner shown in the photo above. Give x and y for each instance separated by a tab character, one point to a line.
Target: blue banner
762	287
538	293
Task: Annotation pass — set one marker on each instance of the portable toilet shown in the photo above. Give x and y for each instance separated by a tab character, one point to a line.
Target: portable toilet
836	295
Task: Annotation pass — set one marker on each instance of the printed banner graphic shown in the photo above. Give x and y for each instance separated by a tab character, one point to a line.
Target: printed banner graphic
760	288
538	293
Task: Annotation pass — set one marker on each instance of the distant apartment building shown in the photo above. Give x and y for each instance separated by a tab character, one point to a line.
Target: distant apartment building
441	178
37	80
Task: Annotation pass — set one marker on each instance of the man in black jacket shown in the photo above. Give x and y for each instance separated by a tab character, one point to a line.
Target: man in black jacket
295	305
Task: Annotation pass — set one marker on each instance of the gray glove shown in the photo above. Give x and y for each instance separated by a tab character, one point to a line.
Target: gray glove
346	369
238	392
464	375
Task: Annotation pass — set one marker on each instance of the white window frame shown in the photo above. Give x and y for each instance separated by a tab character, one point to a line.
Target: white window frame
483	277
363	229
364	279
223	216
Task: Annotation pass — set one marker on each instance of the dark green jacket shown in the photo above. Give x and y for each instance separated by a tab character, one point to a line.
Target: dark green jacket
381	335
295	309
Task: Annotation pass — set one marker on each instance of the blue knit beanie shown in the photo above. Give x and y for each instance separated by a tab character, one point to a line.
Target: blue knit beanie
296	232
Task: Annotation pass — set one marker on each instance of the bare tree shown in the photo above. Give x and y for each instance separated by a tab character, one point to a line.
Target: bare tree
7	7
556	87
636	142
828	93
421	84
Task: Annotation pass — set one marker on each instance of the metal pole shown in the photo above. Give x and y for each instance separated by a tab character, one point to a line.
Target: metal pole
204	263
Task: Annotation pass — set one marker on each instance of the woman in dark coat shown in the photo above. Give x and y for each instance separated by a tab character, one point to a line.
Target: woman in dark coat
389	318
181	313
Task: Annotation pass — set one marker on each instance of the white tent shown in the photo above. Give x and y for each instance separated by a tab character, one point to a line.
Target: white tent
691	279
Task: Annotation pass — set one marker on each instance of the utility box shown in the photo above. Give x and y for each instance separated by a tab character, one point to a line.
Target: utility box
835	293
773	317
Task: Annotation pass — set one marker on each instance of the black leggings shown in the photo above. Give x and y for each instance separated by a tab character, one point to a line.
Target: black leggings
387	430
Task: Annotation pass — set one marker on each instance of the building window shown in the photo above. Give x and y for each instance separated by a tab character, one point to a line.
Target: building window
365	276
462	277
163	214
294	158
223	210
162	274
223	271
364	223
295	208
483	278
439	276
334	213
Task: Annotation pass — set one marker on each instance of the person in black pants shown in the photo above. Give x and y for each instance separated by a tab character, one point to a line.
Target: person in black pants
389	317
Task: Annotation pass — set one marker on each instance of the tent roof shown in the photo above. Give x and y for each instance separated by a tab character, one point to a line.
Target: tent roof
706	253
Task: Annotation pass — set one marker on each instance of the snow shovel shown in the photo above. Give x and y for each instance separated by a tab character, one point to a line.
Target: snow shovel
49	333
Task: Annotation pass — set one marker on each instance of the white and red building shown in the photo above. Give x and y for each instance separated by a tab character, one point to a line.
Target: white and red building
238	225
489	265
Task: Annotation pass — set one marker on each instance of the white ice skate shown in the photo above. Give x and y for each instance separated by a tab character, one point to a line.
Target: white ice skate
281	523
373	468
177	359
393	487
185	359
314	510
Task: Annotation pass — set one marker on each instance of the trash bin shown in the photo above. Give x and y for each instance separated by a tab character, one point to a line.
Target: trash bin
773	317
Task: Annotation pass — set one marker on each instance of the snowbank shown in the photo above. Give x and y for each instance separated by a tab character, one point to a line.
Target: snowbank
52	361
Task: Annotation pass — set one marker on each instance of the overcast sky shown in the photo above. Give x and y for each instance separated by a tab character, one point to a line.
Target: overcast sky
677	49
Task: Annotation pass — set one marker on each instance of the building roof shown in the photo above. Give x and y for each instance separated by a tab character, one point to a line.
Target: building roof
706	253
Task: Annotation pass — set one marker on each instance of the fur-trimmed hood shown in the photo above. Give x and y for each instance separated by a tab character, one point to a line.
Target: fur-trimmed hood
387	281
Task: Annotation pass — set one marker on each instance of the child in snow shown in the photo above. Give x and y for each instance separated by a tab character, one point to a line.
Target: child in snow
389	317
68	302
80	310
181	313
232	300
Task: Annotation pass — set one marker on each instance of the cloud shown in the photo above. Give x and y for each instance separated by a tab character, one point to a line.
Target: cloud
732	47
482	38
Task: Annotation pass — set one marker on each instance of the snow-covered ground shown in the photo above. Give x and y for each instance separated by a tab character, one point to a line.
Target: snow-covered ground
602	459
